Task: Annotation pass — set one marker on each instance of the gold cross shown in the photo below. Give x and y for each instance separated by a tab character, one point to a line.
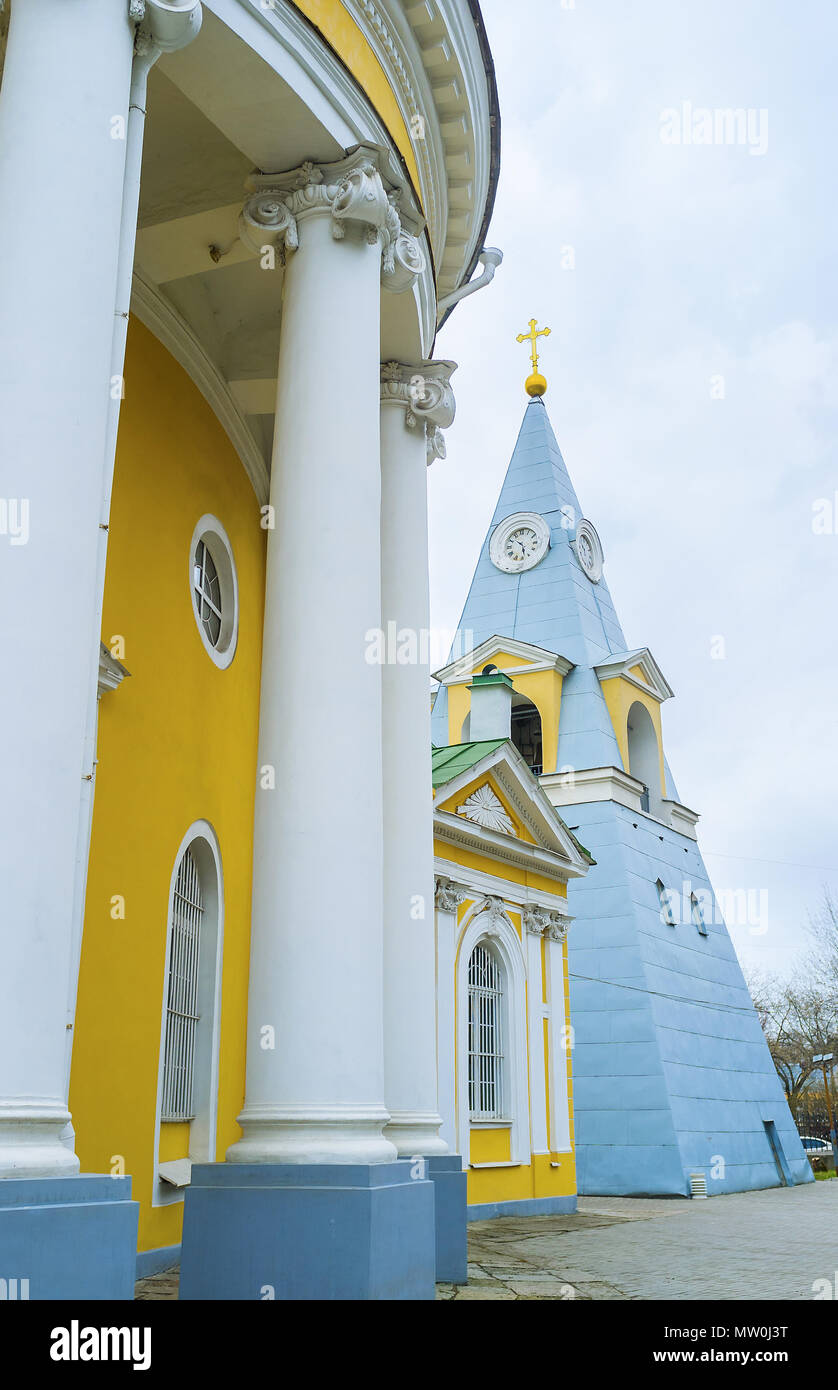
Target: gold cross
532	337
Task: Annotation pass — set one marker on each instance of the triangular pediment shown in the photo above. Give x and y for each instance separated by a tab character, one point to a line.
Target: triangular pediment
640	668
495	802
508	654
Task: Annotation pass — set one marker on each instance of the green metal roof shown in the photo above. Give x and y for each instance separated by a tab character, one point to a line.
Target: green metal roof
448	763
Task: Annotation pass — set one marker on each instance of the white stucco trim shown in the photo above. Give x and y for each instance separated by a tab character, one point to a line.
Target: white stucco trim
496	928
556	963
200	837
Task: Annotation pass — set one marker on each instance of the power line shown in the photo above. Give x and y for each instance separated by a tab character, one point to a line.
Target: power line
784	863
659	994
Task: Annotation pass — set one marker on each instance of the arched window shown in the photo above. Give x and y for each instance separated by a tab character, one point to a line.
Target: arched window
485	1035
644	758
526	733
667	914
182	992
190	1026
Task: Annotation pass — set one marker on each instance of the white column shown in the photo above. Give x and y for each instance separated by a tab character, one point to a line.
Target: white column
315	1070
449	896
66	80
414	400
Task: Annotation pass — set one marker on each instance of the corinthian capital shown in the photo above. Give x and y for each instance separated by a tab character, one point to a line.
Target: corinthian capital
351	192
427	396
448	894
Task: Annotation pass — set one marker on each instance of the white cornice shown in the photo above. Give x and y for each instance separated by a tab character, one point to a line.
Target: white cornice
432	57
592	784
580	786
162	319
532	659
111	672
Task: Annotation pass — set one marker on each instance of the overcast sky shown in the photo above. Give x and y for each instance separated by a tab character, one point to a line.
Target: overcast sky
699	269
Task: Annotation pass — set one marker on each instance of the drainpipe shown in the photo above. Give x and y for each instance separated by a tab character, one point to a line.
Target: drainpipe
490	258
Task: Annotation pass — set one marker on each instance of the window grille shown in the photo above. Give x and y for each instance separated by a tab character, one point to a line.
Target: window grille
207	592
182	993
485	1035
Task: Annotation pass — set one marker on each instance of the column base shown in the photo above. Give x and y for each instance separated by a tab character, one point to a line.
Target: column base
450	1181
307	1232
68	1238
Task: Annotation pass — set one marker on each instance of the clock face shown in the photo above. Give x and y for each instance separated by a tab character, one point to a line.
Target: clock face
588	547
519	542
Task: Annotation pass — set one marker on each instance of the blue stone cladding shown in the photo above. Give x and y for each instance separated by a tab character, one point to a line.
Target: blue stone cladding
671	1072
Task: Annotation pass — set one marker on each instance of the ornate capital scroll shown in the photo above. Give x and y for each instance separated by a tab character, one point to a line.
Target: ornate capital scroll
427	396
350	192
544	921
447	894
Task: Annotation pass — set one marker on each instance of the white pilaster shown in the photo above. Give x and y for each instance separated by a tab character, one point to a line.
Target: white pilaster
65	85
533	928
315	1071
560	1033
449	896
415	403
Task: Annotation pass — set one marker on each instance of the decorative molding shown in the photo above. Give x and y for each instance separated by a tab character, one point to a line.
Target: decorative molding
351	190
111	672
485	808
544	921
411	107
427	396
162	319
448	895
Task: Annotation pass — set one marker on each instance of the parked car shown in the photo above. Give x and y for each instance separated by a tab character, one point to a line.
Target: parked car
814	1146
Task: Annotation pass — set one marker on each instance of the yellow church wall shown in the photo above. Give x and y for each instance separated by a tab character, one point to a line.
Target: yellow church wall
336	25
177	743
620	695
489	1145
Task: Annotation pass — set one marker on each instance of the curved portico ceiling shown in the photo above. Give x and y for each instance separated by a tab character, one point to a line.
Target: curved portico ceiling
260	89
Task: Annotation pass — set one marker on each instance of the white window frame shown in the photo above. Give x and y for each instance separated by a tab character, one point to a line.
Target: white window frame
666	913
210	530
490	1022
503	939
201	839
697	914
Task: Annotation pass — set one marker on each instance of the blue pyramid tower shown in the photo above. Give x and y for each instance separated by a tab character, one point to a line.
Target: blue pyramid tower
673	1080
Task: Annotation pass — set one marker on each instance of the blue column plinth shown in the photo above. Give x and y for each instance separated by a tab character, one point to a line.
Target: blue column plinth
68	1238
450	1181
307	1231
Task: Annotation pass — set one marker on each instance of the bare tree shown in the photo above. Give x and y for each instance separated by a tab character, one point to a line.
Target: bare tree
799	1017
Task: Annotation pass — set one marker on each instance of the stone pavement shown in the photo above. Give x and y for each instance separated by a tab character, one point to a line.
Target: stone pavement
764	1245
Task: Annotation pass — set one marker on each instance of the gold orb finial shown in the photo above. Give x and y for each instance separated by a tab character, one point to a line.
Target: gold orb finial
535	384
